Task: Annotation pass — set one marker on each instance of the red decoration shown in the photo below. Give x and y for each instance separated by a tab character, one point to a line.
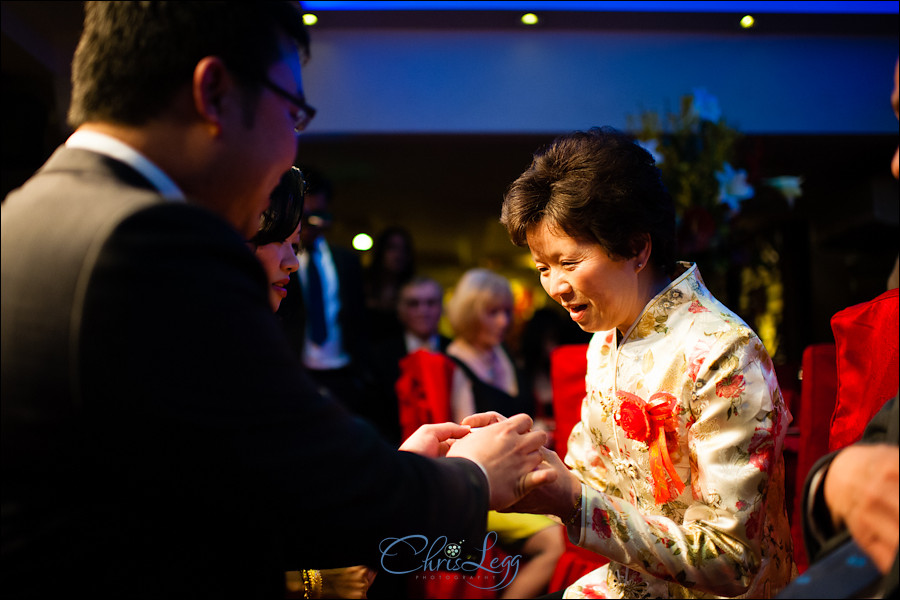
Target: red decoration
648	422
423	390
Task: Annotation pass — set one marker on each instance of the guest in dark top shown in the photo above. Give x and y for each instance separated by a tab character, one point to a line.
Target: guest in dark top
419	309
480	313
393	264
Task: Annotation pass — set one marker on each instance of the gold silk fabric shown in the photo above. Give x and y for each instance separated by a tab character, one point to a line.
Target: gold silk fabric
726	534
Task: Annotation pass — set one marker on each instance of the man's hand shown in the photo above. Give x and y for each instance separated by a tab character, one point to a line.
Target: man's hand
510	454
434	440
861	491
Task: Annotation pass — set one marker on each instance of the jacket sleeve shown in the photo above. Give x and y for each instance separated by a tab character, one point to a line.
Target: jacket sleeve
216	426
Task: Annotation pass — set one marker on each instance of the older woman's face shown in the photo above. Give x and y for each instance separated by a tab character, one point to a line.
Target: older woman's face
600	293
279	259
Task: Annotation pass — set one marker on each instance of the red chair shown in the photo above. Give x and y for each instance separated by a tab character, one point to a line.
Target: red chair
423	394
568	367
844	385
818	393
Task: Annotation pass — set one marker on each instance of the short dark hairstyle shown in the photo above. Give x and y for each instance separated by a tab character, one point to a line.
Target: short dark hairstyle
596	185
285	210
133	56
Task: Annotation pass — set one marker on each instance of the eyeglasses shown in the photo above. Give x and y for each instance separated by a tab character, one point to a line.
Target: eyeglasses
307	112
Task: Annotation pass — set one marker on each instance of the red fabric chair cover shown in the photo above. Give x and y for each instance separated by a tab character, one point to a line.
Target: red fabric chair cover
423	396
423	390
867	367
568	367
817	397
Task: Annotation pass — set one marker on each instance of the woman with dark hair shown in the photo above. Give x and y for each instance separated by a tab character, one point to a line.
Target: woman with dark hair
276	245
392	266
277	241
675	472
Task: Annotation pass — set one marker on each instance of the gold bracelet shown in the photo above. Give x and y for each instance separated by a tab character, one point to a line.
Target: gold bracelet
575	516
304	576
316	578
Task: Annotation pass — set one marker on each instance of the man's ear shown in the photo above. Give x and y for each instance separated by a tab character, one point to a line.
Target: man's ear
210	85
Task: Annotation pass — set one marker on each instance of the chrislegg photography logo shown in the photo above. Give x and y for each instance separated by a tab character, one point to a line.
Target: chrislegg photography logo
445	559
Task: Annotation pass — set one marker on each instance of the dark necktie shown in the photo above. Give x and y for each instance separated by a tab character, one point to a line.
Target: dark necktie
318	328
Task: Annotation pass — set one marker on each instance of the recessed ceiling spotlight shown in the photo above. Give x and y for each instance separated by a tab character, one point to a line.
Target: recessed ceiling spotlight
529	19
747	22
310	19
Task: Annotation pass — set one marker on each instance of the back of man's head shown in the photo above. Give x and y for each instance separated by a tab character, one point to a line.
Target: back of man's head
134	56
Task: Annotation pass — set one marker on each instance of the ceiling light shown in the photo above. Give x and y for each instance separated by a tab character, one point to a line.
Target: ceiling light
747	22
310	19
529	19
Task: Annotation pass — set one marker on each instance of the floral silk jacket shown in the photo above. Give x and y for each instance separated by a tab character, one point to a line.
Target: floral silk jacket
679	450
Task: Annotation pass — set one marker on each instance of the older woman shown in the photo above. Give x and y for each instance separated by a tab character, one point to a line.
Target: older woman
676	472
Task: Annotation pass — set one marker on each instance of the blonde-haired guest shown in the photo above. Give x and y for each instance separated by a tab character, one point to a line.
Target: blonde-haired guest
480	313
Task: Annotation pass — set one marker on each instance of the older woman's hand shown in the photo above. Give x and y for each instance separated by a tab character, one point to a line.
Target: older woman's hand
559	495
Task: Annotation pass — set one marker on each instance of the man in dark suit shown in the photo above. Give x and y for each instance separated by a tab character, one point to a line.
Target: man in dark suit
419	309
158	437
333	345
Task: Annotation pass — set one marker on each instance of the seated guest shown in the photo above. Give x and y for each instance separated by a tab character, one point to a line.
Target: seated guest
392	266
480	312
419	309
675	471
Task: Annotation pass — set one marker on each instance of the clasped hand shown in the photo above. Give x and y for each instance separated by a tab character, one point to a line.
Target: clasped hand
507	449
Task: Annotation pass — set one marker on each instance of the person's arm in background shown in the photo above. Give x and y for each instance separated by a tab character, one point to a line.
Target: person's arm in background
855	491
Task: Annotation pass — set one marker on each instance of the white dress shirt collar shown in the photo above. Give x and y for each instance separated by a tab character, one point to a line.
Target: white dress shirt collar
107	145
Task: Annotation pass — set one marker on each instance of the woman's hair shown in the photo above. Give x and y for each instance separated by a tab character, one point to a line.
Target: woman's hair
476	290
377	271
280	220
597	185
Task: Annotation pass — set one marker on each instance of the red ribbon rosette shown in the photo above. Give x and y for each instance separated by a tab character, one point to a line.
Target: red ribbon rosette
648	422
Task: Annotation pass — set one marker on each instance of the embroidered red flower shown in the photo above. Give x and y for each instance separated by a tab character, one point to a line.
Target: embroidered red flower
696	307
753	522
696	357
600	523
761	449
595	590
730	387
